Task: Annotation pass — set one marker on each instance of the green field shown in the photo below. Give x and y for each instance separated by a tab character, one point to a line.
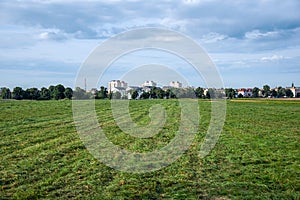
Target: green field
256	157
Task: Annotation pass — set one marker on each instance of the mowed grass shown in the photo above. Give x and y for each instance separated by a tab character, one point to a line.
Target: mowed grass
256	157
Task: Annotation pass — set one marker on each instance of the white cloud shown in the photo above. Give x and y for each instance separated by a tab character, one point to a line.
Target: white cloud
272	58
195	2
44	36
176	24
257	34
52	35
191	1
213	37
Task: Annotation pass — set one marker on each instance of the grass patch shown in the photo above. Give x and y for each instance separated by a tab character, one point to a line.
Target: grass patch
256	157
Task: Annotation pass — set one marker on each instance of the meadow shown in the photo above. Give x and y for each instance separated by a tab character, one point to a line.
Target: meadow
257	155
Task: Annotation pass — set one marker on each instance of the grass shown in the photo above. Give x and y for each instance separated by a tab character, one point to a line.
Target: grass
256	157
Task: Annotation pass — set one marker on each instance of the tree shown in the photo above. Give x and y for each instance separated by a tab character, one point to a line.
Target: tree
281	92
255	92
189	93
116	95
215	93
80	93
68	93
134	94
18	93
160	93
102	94
266	90
199	92
176	93
145	95
230	93
289	93
168	93
5	93
45	94
51	90
58	92
152	92
274	93
94	93
240	96
32	94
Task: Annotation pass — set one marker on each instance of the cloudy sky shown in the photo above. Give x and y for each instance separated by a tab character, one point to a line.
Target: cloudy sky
252	43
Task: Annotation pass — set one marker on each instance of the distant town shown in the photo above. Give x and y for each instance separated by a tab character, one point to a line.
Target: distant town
122	90
118	89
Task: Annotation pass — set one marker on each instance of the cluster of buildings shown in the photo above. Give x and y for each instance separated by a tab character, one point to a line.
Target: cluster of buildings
125	90
248	92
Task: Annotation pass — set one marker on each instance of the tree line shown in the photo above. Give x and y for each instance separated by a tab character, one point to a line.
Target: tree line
57	92
170	93
266	91
53	92
60	92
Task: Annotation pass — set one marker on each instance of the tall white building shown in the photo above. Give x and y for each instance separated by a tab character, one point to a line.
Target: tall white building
149	84
175	84
116	84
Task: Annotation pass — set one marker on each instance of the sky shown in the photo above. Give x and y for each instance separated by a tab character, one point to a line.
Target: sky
251	43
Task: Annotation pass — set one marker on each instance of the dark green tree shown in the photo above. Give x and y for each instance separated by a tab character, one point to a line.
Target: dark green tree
289	93
68	93
153	93
255	92
51	90
266	90
230	93
145	95
59	92
199	92
281	92
32	94
134	94
160	93
18	93
274	93
5	93
45	94
172	94
102	94
168	94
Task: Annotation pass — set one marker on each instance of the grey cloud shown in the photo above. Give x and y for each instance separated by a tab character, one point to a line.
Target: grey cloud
232	18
